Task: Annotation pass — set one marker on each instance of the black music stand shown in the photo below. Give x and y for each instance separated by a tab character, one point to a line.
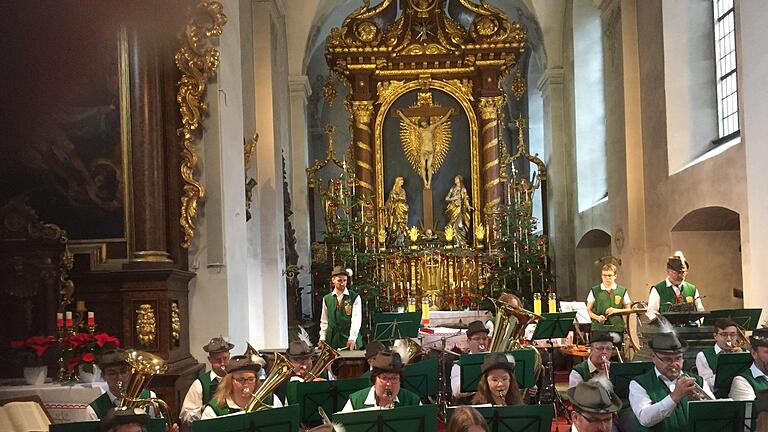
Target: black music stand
728	366
621	374
720	416
284	419
421	418
421	378
519	418
154	425
470	364
330	395
747	319
553	325
684	318
389	326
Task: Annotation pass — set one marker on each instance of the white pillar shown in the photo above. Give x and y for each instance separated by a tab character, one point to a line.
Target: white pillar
299	160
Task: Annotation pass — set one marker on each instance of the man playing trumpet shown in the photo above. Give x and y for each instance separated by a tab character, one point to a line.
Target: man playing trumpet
599	361
660	396
385	391
203	388
604	299
726	337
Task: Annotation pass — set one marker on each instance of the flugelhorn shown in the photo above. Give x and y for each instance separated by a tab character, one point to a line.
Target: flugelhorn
326	357
698	393
145	366
281	371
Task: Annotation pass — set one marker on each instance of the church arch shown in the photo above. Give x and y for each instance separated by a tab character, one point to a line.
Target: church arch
592	249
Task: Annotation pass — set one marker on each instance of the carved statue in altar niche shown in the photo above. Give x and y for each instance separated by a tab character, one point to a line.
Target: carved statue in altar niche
332	203
458	210
425	143
396	209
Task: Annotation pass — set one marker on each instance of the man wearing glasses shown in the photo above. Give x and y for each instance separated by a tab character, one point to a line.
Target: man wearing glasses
594	405
117	373
603	299
599	360
674	289
726	336
661	395
477	342
385	391
203	388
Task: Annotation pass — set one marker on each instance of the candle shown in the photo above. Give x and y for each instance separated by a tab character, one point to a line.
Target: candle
537	303
91	319
80	306
552	302
68	322
59	320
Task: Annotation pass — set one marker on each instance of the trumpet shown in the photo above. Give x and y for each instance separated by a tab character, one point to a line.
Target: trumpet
698	393
741	344
502	397
606	365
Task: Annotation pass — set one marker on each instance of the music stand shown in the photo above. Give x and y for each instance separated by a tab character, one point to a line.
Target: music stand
284	419
389	326
421	378
331	395
470	364
154	425
685	317
421	418
519	418
720	416
728	366
621	374
747	319
553	325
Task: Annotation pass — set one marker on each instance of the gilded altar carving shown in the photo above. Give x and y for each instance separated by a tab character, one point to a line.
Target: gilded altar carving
175	323
197	61
146	324
362	111
489	107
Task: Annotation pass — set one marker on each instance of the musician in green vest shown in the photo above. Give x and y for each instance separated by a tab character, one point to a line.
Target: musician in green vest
124	420
594	405
117	373
606	298
601	349
235	390
385	391
371	350
203	388
755	379
674	289
659	398
342	314
726	340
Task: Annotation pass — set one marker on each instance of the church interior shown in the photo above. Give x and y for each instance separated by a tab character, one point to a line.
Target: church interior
184	170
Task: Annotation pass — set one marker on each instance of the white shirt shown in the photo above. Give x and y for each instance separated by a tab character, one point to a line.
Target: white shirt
703	369
192	408
654	301
369	400
357	317
650	414
575	378
91	414
209	413
740	387
591	297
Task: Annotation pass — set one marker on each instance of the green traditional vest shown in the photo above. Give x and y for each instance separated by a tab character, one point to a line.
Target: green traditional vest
220	411
406	397
667	294
583	370
209	385
711	356
657	390
102	404
603	302
339	322
757	384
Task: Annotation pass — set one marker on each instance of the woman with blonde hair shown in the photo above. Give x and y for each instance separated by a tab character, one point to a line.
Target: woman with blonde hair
235	390
466	419
497	385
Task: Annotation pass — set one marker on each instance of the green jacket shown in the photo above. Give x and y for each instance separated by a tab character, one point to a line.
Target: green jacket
603	302
657	390
583	370
667	294
405	398
209	385
340	320
757	385
103	403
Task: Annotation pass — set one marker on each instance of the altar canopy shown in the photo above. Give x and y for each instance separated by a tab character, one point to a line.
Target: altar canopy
428	209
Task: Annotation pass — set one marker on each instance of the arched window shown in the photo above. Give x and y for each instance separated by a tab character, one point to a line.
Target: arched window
725	70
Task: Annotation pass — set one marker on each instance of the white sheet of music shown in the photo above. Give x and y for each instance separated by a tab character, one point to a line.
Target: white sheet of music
582	315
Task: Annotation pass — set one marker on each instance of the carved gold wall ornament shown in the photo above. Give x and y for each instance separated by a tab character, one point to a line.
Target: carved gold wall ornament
146	324
248	147
329	158
518	86
489	107
521	152
175	323
362	111
329	91
197	62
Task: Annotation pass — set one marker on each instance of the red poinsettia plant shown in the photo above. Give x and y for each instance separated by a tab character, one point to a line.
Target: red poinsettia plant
34	351
84	348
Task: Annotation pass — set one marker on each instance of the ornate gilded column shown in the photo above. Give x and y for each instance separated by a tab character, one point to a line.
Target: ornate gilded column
363	142
490	168
147	155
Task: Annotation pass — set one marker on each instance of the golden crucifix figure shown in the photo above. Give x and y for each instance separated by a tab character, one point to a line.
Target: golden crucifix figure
425	143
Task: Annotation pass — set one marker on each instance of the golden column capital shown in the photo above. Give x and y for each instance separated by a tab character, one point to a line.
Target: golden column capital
362	111
489	107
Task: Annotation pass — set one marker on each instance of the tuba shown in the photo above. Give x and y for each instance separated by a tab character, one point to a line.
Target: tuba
281	371
324	359
409	350
145	366
506	333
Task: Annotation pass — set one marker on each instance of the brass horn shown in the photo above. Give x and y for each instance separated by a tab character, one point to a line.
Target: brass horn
409	350
145	366
281	371
506	333
324	359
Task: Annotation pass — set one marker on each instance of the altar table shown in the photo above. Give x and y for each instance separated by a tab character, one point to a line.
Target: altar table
65	403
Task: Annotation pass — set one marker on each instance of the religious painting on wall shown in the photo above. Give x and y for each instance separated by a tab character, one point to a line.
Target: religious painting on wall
66	139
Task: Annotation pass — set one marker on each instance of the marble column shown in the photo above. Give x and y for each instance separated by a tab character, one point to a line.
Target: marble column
363	141
490	168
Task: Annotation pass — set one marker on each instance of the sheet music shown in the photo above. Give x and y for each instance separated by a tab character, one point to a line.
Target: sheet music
582	315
